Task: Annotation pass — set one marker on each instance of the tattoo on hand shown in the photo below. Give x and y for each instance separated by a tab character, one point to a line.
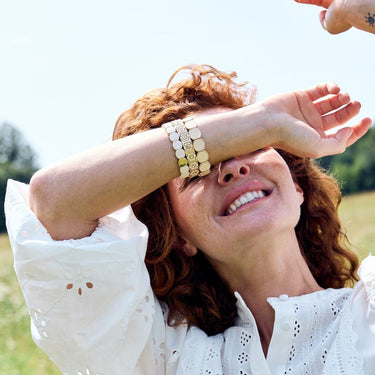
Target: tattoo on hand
370	19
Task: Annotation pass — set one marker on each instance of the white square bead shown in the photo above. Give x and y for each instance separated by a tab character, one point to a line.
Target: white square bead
184	172
202	156
199	144
190	123
173	137
195	133
180	153
205	166
177	145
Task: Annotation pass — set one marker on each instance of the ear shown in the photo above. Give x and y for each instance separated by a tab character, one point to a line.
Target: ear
186	246
299	192
190	249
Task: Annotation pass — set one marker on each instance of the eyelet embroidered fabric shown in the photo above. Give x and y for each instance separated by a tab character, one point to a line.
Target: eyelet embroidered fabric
93	311
323	340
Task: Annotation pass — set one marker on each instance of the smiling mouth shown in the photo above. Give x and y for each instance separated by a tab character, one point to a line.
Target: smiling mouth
245	198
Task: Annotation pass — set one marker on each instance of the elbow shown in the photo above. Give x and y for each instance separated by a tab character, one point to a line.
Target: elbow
48	200
43	202
40	197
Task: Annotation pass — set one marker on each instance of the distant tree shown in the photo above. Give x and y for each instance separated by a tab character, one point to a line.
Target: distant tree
17	161
355	168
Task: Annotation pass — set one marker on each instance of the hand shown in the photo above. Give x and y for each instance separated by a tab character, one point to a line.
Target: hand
302	119
341	15
332	19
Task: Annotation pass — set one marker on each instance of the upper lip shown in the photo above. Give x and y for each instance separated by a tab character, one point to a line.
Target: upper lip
237	191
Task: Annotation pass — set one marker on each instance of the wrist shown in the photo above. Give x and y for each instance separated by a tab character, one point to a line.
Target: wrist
361	16
231	133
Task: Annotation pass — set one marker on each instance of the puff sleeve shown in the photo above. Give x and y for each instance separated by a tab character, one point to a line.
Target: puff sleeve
90	300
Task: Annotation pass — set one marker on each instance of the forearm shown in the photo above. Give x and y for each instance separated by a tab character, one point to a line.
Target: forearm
69	197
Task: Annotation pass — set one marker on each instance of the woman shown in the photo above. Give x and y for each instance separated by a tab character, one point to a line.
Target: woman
246	263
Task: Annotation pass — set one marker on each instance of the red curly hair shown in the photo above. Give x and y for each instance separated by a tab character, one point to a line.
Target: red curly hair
189	285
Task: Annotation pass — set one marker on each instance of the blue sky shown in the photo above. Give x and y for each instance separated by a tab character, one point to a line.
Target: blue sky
69	68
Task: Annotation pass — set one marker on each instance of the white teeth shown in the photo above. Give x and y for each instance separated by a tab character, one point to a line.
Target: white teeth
243	199
249	196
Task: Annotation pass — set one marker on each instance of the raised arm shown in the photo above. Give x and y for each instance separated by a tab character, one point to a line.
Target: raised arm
341	15
71	196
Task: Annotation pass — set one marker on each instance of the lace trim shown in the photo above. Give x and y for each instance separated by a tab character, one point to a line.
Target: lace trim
328	343
344	355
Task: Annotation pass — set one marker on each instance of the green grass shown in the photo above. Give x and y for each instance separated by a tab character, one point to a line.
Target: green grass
357	214
20	356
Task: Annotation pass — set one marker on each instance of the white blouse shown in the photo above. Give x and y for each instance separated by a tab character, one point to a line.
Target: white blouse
94	313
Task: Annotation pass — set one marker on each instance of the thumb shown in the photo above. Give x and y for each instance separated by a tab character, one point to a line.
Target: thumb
343	135
335	143
322	18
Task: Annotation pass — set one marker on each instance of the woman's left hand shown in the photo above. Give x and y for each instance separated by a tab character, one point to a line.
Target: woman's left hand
305	120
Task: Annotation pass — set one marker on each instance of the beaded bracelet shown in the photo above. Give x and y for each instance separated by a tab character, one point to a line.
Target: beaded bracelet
186	138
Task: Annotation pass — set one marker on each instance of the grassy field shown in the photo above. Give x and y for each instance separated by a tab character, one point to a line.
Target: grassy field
20	356
18	353
357	213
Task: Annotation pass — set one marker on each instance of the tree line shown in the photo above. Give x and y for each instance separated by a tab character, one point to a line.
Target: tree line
17	161
355	168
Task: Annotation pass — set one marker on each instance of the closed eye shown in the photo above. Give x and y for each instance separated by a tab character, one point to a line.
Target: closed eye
188	182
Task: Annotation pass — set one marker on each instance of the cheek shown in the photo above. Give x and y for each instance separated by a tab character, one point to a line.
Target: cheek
191	212
184	204
188	207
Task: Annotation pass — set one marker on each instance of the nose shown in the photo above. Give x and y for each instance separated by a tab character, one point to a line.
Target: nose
233	169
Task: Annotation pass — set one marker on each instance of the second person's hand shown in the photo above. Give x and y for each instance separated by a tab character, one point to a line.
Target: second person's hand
341	15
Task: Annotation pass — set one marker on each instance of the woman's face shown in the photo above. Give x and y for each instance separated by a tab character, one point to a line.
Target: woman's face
244	200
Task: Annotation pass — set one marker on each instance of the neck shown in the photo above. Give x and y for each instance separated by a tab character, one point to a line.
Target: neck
269	271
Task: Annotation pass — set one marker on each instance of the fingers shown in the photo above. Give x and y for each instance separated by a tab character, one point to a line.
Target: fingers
334	107
341	116
322	90
332	103
321	3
